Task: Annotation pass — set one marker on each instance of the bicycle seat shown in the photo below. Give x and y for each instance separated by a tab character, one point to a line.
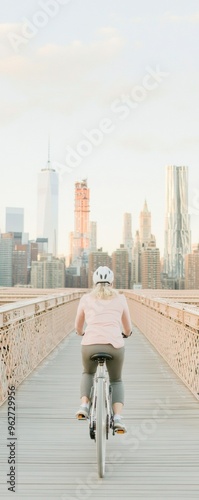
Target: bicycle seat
101	356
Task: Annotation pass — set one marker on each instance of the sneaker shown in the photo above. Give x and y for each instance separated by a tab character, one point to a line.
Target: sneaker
82	413
119	426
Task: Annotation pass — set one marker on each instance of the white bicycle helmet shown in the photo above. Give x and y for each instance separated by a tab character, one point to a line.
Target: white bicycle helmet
103	275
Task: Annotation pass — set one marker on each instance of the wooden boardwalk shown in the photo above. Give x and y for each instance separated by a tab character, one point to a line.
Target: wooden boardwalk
157	459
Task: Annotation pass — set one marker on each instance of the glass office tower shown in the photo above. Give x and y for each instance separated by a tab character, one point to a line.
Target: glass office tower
177	223
47	210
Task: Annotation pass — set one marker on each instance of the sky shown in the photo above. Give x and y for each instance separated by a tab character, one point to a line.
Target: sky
115	85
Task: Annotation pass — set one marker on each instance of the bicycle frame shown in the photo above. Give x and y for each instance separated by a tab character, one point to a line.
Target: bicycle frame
100	373
101	413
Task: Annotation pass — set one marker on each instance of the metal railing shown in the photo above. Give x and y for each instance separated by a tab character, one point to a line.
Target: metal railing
29	331
170	321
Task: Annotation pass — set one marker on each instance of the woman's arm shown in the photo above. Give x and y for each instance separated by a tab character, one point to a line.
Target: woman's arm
80	319
126	319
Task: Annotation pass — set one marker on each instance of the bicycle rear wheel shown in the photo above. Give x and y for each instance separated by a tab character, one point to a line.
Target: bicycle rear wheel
101	427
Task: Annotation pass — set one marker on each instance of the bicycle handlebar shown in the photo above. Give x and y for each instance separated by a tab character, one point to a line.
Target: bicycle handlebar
122	333
126	336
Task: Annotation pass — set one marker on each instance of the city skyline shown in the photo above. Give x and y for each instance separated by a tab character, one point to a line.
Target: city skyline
135	263
118	92
144	210
173	188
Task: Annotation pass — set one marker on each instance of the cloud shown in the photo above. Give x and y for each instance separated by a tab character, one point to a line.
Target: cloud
159	143
12	110
137	20
62	64
108	31
60	78
5	28
172	18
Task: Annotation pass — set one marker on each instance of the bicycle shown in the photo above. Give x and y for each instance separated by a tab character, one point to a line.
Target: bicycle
101	413
101	417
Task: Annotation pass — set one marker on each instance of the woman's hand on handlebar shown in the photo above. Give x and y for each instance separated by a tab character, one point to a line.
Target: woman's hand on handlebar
126	336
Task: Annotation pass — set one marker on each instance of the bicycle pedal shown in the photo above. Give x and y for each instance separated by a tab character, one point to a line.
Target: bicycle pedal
81	417
120	431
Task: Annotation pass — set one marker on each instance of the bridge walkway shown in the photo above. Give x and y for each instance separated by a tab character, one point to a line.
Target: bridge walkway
56	459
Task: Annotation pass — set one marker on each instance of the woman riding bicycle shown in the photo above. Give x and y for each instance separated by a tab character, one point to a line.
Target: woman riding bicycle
106	314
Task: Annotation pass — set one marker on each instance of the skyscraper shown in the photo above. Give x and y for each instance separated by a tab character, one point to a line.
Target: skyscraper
145	226
47	210
97	258
81	234
136	261
127	234
150	266
6	259
141	241
192	269
120	267
177	224
49	272
14	220
20	265
93	236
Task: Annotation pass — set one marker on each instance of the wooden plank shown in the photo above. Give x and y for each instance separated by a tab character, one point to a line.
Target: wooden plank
157	459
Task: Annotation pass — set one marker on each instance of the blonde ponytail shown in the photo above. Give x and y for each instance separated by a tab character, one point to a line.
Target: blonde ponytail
104	291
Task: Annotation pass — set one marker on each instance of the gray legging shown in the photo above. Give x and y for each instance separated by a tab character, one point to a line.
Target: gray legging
114	367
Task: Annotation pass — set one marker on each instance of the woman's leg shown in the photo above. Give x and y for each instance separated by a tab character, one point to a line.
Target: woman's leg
89	369
117	408
115	374
114	368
